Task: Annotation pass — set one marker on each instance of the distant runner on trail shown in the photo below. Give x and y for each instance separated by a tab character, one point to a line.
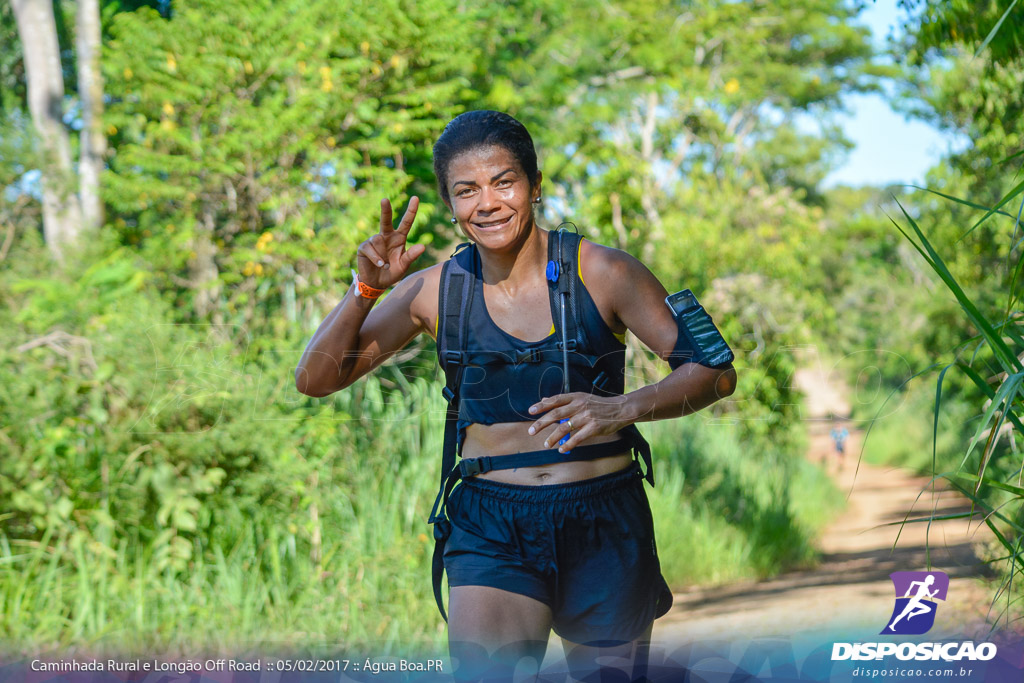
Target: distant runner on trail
915	606
839	435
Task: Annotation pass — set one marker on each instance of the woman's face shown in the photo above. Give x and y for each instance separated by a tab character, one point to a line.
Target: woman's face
491	196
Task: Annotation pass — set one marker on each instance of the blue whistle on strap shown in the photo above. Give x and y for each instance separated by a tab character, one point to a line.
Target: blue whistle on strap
552	271
566	437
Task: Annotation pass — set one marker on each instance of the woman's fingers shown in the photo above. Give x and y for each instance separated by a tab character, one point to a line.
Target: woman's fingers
370	253
383	258
557	406
579	435
385	216
579	432
411	254
409	216
558	430
588	418
550	402
380	245
392	240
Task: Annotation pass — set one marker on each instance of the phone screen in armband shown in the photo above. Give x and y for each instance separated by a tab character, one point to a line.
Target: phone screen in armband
681	301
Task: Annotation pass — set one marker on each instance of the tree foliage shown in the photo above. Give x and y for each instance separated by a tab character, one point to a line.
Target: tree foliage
939	24
250	144
254	142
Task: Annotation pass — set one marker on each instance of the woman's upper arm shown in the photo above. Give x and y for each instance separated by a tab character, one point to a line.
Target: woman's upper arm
641	307
638	300
408	310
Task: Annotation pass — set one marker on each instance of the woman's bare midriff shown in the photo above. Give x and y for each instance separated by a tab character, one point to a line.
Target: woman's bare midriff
507	438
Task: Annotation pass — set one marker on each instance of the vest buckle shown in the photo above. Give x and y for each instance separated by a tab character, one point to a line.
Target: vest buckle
473	466
453	356
528	356
570	344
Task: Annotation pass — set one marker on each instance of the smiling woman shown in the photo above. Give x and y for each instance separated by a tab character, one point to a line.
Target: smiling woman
491	193
544	523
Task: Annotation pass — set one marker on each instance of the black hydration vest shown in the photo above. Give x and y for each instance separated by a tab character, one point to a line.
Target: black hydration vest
526	368
505	375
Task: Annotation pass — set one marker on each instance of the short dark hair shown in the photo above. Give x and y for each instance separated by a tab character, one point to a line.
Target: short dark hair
483	128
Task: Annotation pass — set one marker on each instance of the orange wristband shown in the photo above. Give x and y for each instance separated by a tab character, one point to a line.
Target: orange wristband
365	290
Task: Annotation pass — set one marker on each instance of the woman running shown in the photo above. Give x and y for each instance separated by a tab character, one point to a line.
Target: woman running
545	523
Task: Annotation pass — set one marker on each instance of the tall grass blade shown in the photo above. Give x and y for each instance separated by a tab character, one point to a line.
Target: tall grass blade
935	418
1006	325
906	517
1013	281
982	505
995	29
930	518
1011	328
1007	583
1010	158
1019	490
1007	359
1002	539
871	424
1002	202
1007	391
989	392
958	200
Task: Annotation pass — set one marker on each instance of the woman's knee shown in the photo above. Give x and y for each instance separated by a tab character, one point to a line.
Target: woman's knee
497	634
623	663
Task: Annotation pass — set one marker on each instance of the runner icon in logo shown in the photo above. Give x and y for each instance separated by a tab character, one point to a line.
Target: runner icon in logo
917	601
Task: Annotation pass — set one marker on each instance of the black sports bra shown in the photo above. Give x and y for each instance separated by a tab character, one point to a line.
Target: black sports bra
505	375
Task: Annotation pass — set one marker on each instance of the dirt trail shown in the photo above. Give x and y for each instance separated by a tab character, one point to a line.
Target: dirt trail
851	587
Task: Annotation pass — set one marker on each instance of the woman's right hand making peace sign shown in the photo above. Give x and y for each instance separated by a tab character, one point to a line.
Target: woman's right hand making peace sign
383	259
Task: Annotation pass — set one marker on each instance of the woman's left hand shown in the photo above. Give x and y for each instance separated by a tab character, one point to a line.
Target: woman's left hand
589	416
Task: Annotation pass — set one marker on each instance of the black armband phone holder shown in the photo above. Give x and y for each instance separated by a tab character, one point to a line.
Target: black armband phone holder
698	340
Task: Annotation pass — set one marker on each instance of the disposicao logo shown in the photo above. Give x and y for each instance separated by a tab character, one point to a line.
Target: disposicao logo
914	614
916	593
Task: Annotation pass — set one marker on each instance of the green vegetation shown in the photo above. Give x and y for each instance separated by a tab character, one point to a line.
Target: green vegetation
188	499
164	486
961	339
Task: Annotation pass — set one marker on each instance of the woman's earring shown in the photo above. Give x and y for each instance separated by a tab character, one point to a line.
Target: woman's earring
537	200
453	220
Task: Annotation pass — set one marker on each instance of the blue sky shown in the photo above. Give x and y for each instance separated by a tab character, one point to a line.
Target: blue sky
889	148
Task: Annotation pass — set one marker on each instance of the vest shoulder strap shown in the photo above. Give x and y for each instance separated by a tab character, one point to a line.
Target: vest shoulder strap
562	248
454	297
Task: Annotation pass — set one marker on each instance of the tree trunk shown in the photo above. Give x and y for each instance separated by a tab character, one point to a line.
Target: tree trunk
38	32
203	267
655	237
90	92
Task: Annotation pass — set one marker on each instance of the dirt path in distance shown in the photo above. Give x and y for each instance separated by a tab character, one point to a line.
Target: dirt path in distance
850	589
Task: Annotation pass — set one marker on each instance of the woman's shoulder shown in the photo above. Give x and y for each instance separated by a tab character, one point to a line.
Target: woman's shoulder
428	286
599	263
421	289
602	271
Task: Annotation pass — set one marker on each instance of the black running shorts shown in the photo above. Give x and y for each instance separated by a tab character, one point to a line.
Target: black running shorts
585	549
